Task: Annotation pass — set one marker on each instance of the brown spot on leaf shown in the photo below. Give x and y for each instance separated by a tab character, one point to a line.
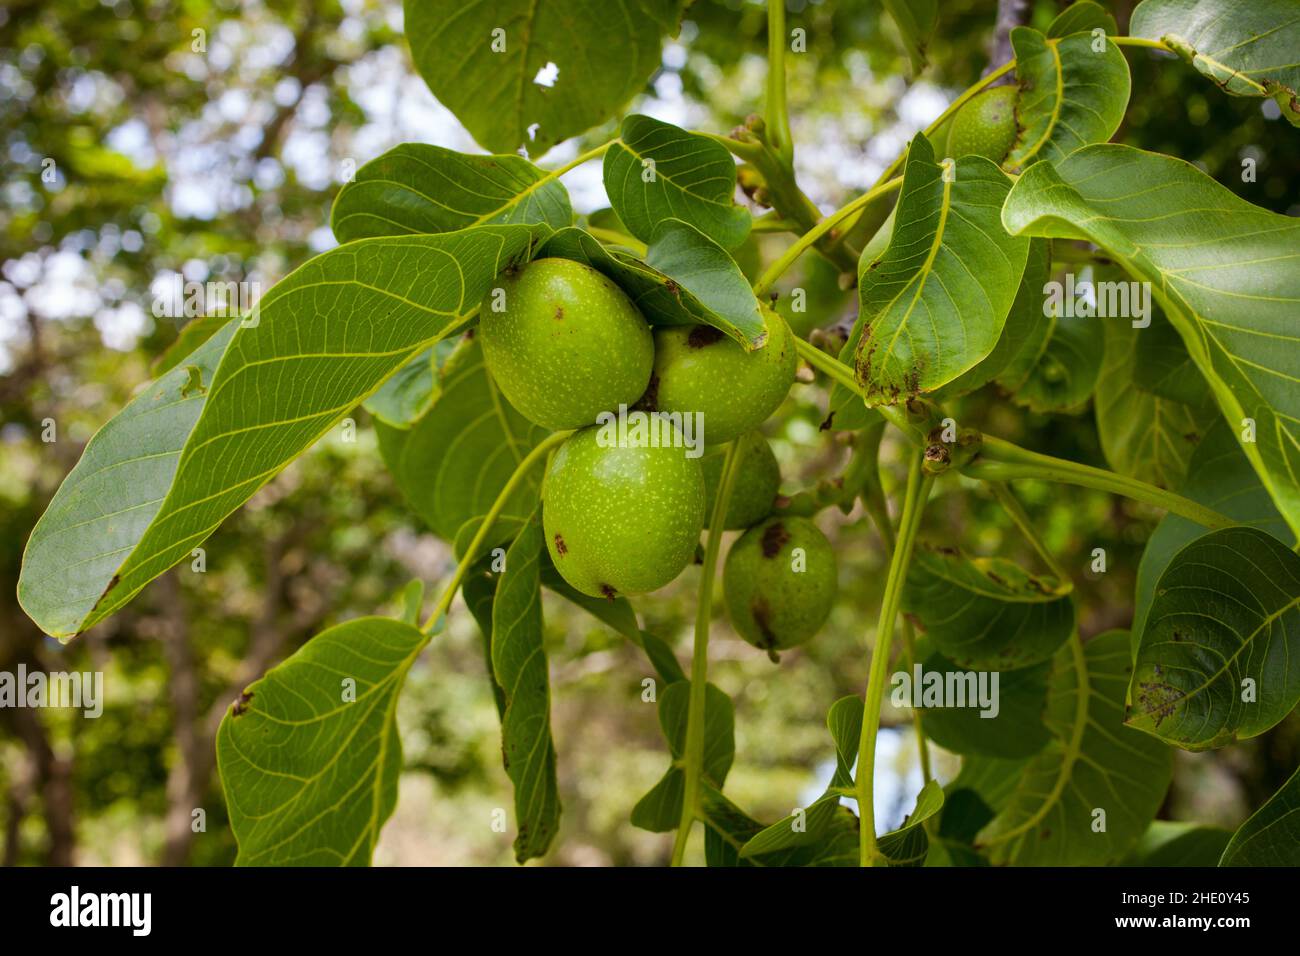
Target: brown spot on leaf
111	584
240	707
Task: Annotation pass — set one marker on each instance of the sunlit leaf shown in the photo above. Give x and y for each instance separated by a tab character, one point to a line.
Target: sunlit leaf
535	72
657	172
1244	47
1224	271
934	303
419	188
309	755
1071	94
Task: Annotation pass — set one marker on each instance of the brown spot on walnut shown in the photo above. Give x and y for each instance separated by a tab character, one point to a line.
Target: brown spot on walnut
702	336
648	401
608	591
559	312
774	539
560	547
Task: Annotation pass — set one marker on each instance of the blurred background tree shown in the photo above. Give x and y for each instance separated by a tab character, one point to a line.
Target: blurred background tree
147	138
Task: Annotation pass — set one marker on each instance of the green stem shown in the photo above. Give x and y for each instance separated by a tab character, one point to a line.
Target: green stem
1016	512
875	506
1001	460
810	237
539	451
575	163
1141	42
693	756
918	489
778	118
613	237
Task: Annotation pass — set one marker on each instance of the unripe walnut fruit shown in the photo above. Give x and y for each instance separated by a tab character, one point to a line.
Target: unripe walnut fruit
986	126
621	520
757	482
698	369
779	581
564	343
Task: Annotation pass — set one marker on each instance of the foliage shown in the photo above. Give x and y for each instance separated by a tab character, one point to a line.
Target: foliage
1191	376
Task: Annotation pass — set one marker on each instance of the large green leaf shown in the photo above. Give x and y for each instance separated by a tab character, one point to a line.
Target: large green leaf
1219	656
519	667
1167	369
1232	291
309	755
1094	763
1245	47
657	171
1071	94
487	61
454	461
1082	17
1220	477
1169	843
1271	837
419	188
113	492
909	844
697	264
660	810
1025	331
916	20
934	303
324	339
1016	730
1142	434
1066	364
986	613
704	286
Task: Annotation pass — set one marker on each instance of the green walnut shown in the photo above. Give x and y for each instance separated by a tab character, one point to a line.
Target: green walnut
756	486
564	343
621	519
986	126
779	581
700	370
